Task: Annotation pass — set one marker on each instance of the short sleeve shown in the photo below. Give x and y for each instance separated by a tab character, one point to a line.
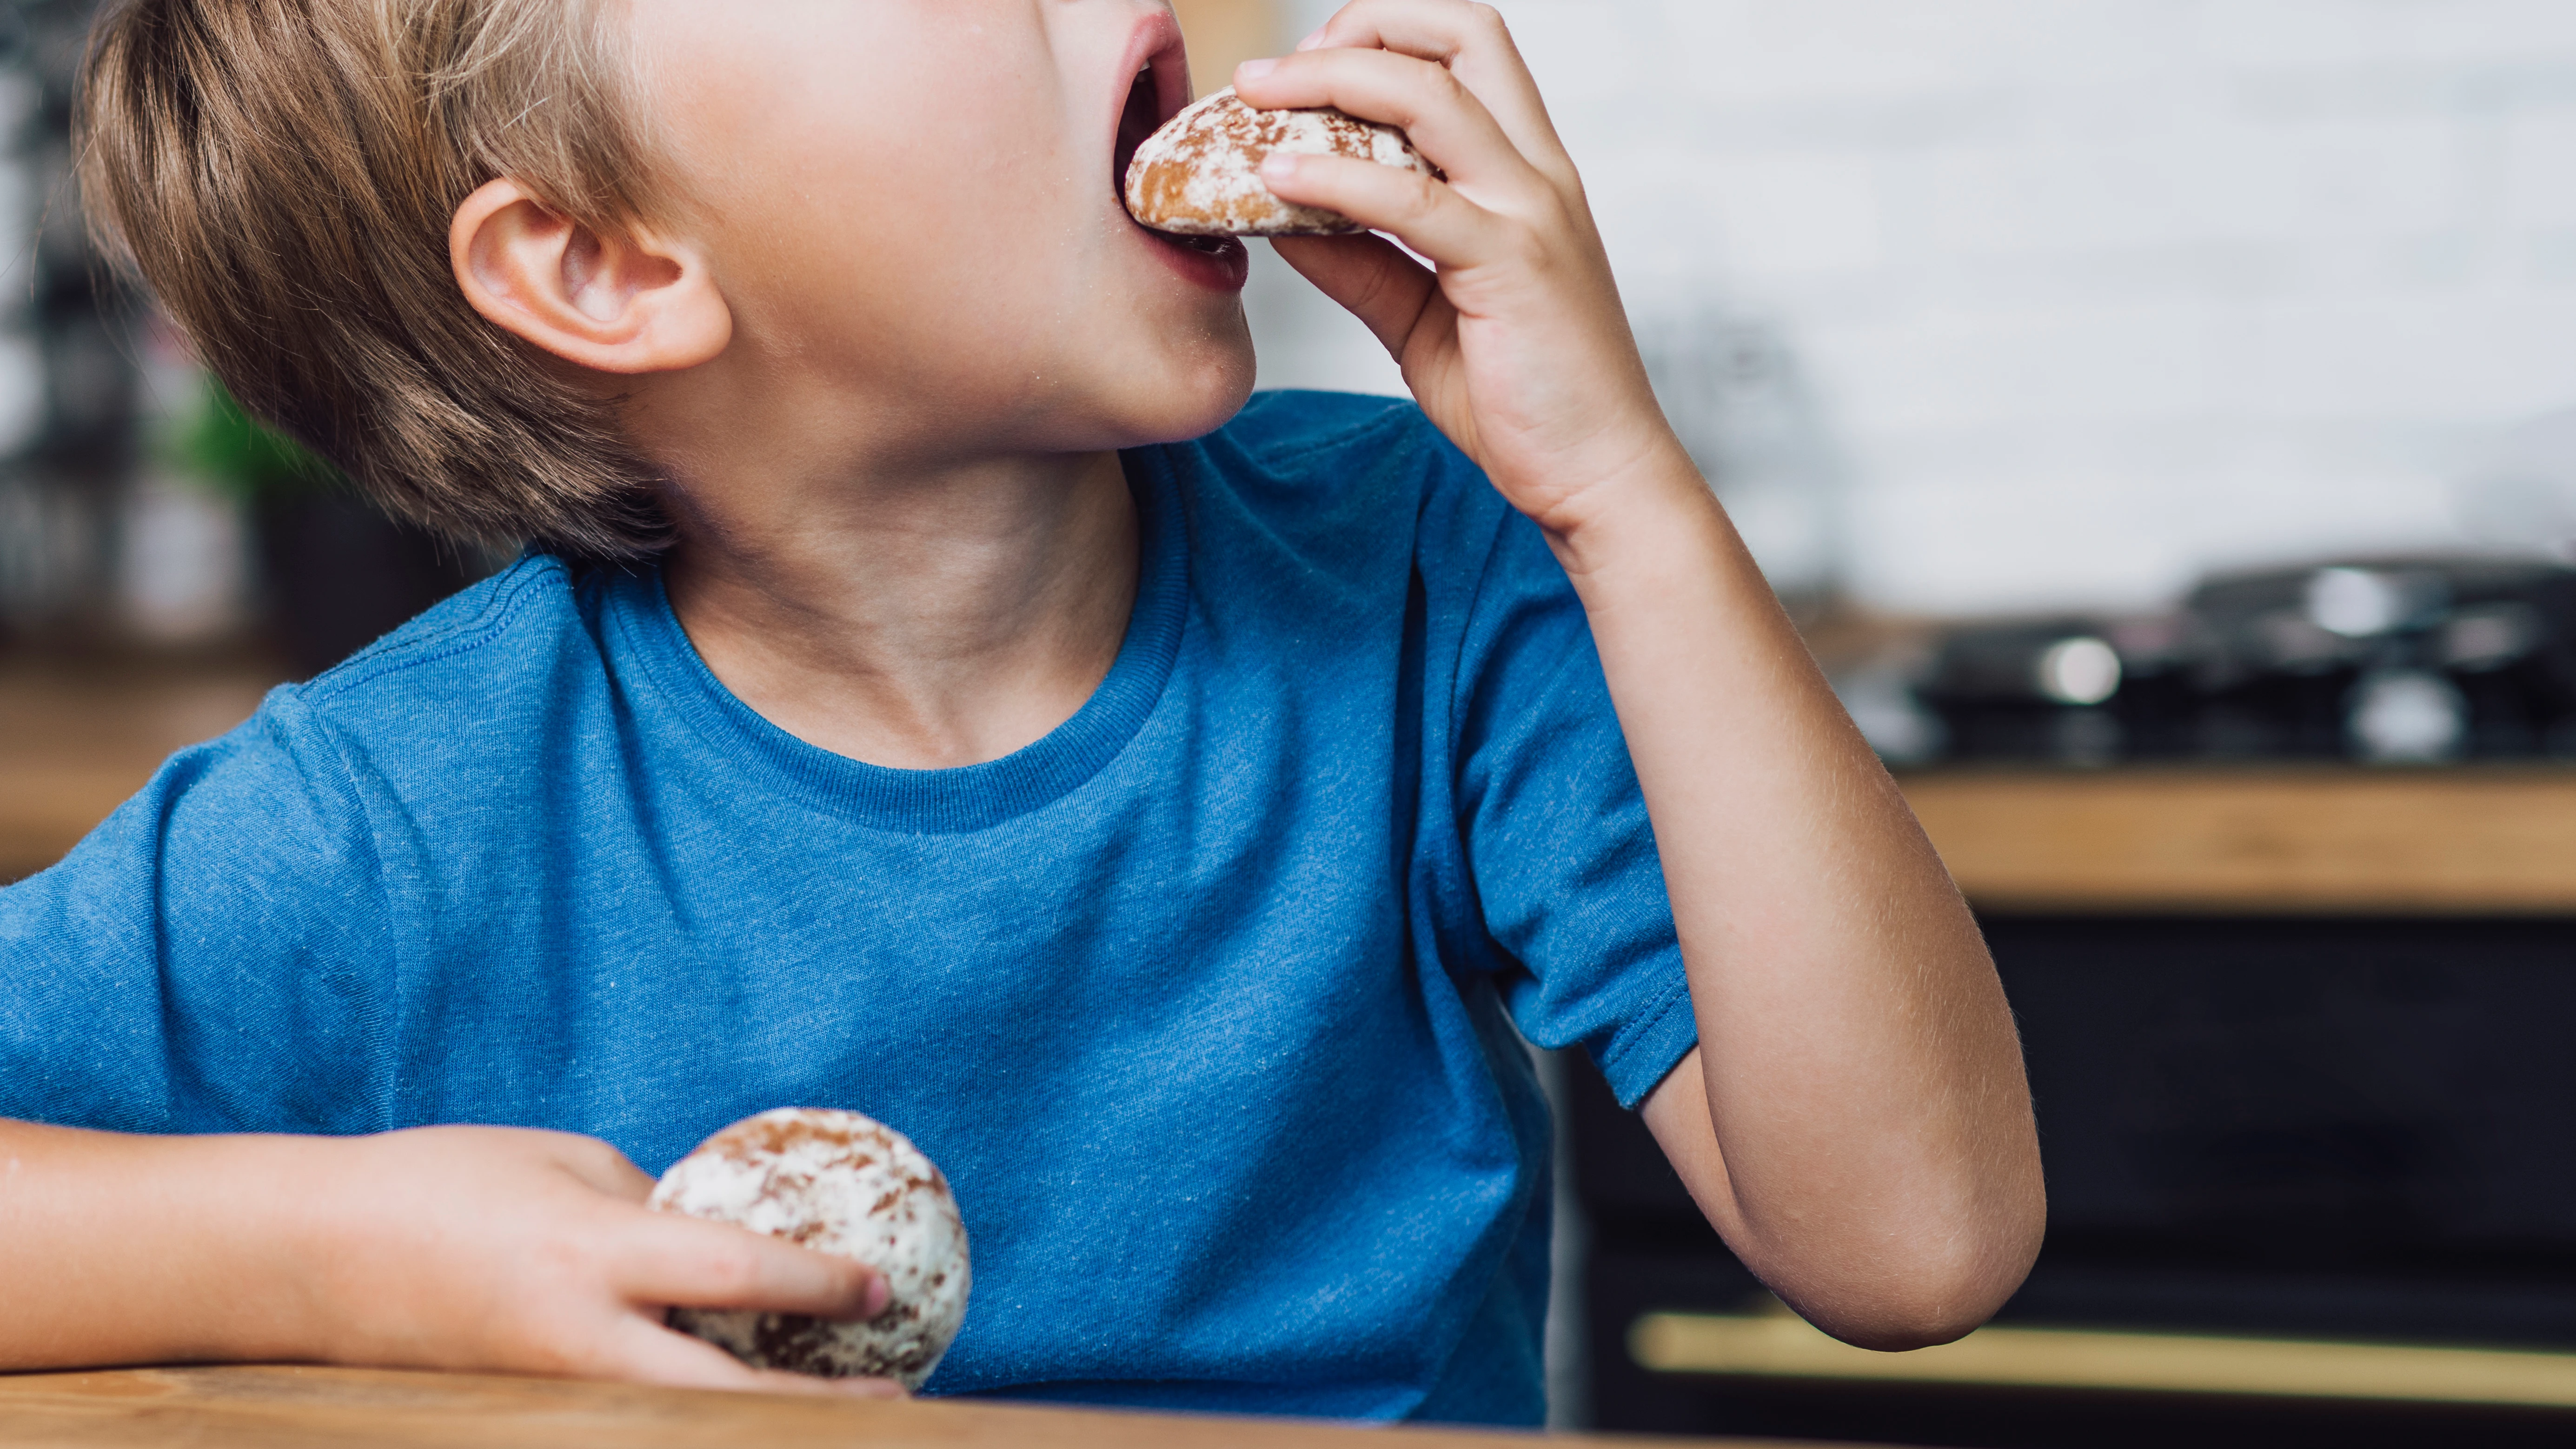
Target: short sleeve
1555	828
213	958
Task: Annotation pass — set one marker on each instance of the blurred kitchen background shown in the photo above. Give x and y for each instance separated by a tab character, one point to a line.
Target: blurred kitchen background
2162	416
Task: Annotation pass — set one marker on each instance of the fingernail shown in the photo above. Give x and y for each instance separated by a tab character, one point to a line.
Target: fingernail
1255	69
1279	166
1313	41
879	1294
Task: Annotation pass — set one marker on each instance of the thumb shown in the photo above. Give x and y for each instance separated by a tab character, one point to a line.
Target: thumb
1368	275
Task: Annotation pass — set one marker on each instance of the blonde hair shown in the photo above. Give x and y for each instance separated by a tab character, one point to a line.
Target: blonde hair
283	174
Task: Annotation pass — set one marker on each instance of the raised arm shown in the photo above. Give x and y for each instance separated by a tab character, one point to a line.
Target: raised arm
1856	1122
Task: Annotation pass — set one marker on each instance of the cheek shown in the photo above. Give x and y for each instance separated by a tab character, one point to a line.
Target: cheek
936	232
976	191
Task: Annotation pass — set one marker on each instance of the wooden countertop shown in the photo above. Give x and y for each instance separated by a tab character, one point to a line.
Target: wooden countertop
289	1408
75	741
2324	840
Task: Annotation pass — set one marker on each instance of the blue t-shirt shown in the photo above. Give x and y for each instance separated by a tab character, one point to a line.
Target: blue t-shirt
1204	1001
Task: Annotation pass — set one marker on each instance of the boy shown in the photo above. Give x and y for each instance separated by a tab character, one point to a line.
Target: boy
892	716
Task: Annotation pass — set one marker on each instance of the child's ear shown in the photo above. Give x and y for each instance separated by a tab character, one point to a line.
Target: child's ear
629	303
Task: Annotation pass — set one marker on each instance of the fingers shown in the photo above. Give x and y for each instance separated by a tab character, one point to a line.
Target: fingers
1504	192
642	1351
1431	217
688	1263
1369	276
1446	122
639	1350
1474	44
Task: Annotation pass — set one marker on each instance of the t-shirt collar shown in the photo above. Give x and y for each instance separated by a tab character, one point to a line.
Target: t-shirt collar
971	797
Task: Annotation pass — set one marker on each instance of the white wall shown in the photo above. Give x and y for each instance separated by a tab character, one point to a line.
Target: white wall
2091	294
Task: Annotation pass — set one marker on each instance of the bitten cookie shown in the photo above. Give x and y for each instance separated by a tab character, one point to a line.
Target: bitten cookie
843	1184
1200	175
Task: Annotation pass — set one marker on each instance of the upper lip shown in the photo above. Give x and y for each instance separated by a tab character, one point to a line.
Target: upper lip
1156	50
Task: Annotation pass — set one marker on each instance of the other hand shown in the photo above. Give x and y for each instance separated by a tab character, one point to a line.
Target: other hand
503	1250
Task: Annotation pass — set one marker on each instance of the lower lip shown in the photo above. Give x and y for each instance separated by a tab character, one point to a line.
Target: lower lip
1223	269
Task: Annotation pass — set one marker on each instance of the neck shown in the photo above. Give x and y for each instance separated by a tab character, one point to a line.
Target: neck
944	618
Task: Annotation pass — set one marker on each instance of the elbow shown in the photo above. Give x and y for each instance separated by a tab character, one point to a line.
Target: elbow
1924	1322
1922	1314
1938	1293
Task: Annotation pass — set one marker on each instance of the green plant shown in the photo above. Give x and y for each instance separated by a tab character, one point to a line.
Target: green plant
241	456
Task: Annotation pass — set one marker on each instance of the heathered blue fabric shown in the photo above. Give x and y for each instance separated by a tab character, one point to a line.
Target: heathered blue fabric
1200	1001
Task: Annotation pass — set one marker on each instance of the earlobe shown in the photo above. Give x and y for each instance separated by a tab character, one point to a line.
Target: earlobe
629	303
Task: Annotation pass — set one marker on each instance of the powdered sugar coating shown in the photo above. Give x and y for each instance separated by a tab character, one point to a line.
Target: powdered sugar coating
1200	175
843	1184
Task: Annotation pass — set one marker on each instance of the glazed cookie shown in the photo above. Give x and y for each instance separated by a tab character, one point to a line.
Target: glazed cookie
1200	175
844	1184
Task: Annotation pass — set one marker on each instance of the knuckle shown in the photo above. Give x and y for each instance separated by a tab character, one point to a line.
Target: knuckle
1528	247
570	1259
1421	198
733	1270
1497	30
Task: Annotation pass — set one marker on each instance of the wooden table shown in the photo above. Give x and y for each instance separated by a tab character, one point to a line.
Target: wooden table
287	1408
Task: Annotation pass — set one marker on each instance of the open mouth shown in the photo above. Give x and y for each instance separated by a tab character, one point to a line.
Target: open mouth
1157	95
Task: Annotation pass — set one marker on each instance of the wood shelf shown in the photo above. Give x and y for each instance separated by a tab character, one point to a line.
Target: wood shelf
1774	1345
2344	841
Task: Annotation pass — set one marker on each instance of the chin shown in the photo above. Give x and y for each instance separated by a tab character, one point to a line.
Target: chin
1188	392
1220	390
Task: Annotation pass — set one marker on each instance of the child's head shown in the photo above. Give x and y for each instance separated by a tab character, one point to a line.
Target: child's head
521	265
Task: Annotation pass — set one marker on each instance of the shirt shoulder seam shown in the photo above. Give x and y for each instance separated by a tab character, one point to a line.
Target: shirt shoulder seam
447	644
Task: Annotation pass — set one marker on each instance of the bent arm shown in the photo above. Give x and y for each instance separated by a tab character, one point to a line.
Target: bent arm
1856	1122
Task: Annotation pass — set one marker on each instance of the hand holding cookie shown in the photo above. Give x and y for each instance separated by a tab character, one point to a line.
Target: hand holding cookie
1516	345
502	1250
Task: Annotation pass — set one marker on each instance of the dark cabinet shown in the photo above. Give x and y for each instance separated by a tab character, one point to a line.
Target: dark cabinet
2312	1181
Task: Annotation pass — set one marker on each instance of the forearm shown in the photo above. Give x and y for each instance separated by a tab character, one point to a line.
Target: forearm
1875	1156
479	1249
122	1249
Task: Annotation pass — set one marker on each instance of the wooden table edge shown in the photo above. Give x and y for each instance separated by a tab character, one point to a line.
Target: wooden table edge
293	1405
